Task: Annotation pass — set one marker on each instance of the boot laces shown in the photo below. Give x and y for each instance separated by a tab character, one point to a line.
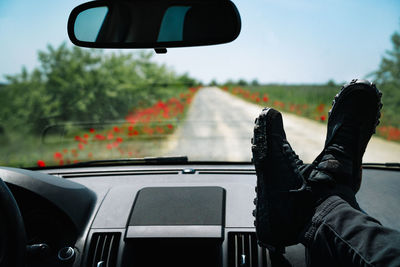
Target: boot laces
292	156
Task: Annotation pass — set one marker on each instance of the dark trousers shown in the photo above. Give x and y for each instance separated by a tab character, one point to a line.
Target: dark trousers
340	235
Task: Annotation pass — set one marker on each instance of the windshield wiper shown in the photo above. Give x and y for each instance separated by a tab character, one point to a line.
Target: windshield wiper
386	164
127	161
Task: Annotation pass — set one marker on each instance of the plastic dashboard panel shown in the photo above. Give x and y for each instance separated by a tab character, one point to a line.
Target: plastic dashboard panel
123	185
117	189
178	212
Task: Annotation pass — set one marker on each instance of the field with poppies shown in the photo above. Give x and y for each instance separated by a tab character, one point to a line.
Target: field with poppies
81	104
311	101
141	133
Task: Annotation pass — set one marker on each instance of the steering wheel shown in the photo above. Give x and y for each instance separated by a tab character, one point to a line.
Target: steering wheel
12	230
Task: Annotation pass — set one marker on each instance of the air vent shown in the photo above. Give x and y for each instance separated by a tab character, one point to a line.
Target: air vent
103	249
243	250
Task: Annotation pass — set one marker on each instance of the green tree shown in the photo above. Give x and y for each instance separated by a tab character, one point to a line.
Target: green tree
75	84
331	83
229	82
255	82
242	82
387	78
213	82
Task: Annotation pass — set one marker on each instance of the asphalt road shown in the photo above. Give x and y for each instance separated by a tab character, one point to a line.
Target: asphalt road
219	127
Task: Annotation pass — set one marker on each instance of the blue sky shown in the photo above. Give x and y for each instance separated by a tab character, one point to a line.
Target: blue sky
286	41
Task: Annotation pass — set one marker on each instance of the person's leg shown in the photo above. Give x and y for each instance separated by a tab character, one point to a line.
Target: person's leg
290	194
279	214
340	235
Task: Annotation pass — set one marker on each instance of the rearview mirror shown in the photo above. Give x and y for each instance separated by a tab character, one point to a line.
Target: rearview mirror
153	24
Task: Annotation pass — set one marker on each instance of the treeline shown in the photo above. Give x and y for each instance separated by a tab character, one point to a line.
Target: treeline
75	84
387	78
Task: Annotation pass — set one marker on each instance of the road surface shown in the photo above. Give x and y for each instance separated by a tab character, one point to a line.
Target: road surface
219	127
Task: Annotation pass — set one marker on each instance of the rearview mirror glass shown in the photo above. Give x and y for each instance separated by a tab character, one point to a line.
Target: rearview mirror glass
153	24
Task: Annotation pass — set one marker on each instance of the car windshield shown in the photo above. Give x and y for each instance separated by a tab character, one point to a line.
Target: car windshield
61	104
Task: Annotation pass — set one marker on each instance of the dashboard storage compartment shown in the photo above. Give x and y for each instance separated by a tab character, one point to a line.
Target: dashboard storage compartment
176	226
178	212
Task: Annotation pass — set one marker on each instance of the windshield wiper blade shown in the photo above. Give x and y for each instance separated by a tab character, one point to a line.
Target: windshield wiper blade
386	164
126	161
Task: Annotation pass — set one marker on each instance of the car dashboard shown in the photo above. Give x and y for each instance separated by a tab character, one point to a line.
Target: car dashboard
150	215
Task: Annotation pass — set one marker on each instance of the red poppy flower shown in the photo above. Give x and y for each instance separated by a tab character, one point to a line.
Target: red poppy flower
110	136
159	129
41	163
148	130
77	138
116	129
58	155
109	146
170	126
394	133
100	137
323	118
91	130
131	119
160	104
119	139
86	136
80	146
74	153
166	113
320	108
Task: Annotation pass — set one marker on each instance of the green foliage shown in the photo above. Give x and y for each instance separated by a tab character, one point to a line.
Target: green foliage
213	83
387	77
255	82
331	82
242	82
75	84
